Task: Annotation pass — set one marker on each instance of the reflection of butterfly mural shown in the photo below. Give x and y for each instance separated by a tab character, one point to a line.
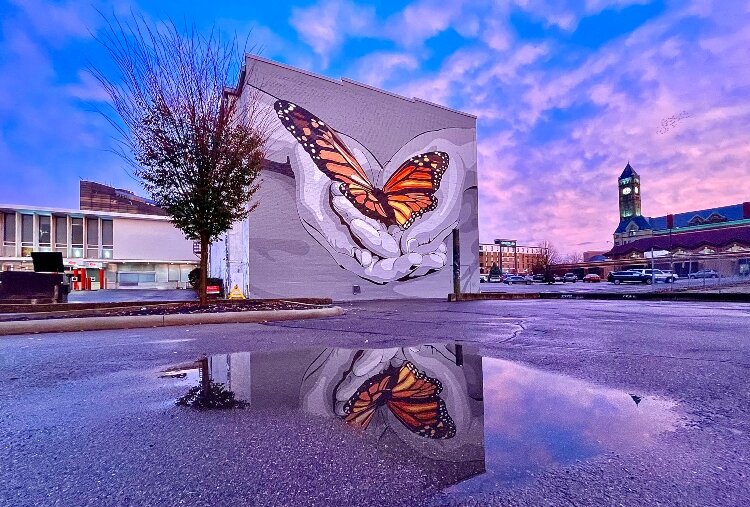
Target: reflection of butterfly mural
410	395
409	192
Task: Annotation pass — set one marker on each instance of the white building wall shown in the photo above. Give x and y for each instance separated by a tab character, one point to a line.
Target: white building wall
141	239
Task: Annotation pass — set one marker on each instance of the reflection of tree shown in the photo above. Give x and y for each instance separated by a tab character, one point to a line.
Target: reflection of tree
209	394
213	396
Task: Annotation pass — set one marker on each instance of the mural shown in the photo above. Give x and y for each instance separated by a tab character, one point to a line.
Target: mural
361	190
384	222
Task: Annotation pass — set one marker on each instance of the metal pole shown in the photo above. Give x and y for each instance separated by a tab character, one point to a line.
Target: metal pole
204	375
457	263
653	275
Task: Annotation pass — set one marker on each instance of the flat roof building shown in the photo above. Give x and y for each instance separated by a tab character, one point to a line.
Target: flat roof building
133	249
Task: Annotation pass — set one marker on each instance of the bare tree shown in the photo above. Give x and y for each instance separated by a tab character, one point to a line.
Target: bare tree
195	148
548	257
573	258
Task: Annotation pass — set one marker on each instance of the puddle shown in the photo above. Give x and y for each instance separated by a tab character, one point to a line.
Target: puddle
470	424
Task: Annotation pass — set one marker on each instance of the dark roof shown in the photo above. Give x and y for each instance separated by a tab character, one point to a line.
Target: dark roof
97	197
641	222
628	172
689	240
721	214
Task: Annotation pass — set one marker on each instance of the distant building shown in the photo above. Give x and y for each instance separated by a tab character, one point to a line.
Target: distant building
135	246
722	230
98	197
509	256
594	255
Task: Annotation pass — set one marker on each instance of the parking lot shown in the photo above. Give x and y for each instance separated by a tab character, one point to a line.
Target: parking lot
737	283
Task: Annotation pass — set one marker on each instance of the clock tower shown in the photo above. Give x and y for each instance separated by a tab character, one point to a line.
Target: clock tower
630	193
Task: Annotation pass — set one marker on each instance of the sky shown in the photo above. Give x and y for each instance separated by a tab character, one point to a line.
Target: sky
566	93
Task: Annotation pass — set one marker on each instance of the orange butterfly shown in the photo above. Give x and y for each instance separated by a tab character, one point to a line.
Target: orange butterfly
410	395
407	195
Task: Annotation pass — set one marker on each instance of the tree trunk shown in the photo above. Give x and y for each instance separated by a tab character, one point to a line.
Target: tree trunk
204	270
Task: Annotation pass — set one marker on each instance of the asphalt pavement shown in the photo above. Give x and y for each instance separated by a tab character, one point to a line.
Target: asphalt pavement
737	284
86	420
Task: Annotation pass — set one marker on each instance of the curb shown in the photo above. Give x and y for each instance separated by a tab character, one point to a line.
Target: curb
606	296
146	321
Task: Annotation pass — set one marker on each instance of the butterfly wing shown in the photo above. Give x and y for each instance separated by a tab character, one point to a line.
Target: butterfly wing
410	191
332	157
415	401
361	407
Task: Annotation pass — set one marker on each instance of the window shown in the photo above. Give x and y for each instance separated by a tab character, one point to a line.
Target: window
27	235
9	234
107	239
76	234
61	235
92	238
45	233
129	279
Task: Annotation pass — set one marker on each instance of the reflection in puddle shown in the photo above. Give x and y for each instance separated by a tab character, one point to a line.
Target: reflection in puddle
469	423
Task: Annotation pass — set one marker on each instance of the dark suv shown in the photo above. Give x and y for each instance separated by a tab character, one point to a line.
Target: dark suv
630	275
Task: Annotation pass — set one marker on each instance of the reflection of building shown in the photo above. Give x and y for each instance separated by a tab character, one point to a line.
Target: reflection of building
300	380
131	249
723	230
509	256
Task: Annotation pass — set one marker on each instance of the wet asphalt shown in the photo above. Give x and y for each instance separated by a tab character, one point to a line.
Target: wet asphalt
85	420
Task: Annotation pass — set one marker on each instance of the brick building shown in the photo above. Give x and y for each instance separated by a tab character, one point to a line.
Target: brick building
509	257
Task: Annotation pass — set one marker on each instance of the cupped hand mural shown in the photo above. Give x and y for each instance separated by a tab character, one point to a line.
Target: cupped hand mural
385	222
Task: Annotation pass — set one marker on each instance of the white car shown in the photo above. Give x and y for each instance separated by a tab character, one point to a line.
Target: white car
657	275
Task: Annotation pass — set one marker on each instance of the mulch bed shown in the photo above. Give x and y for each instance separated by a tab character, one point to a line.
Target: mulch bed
136	309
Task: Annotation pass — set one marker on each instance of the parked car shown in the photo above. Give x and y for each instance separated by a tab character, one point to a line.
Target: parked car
592	278
628	276
674	275
482	278
570	277
495	279
539	277
657	275
557	278
511	279
704	273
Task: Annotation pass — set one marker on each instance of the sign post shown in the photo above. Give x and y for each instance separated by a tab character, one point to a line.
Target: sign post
456	263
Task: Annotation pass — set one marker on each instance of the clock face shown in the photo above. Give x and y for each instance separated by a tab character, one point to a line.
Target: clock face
626	191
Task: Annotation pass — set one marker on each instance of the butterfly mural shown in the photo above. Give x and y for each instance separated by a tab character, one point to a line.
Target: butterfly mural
410	395
408	193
